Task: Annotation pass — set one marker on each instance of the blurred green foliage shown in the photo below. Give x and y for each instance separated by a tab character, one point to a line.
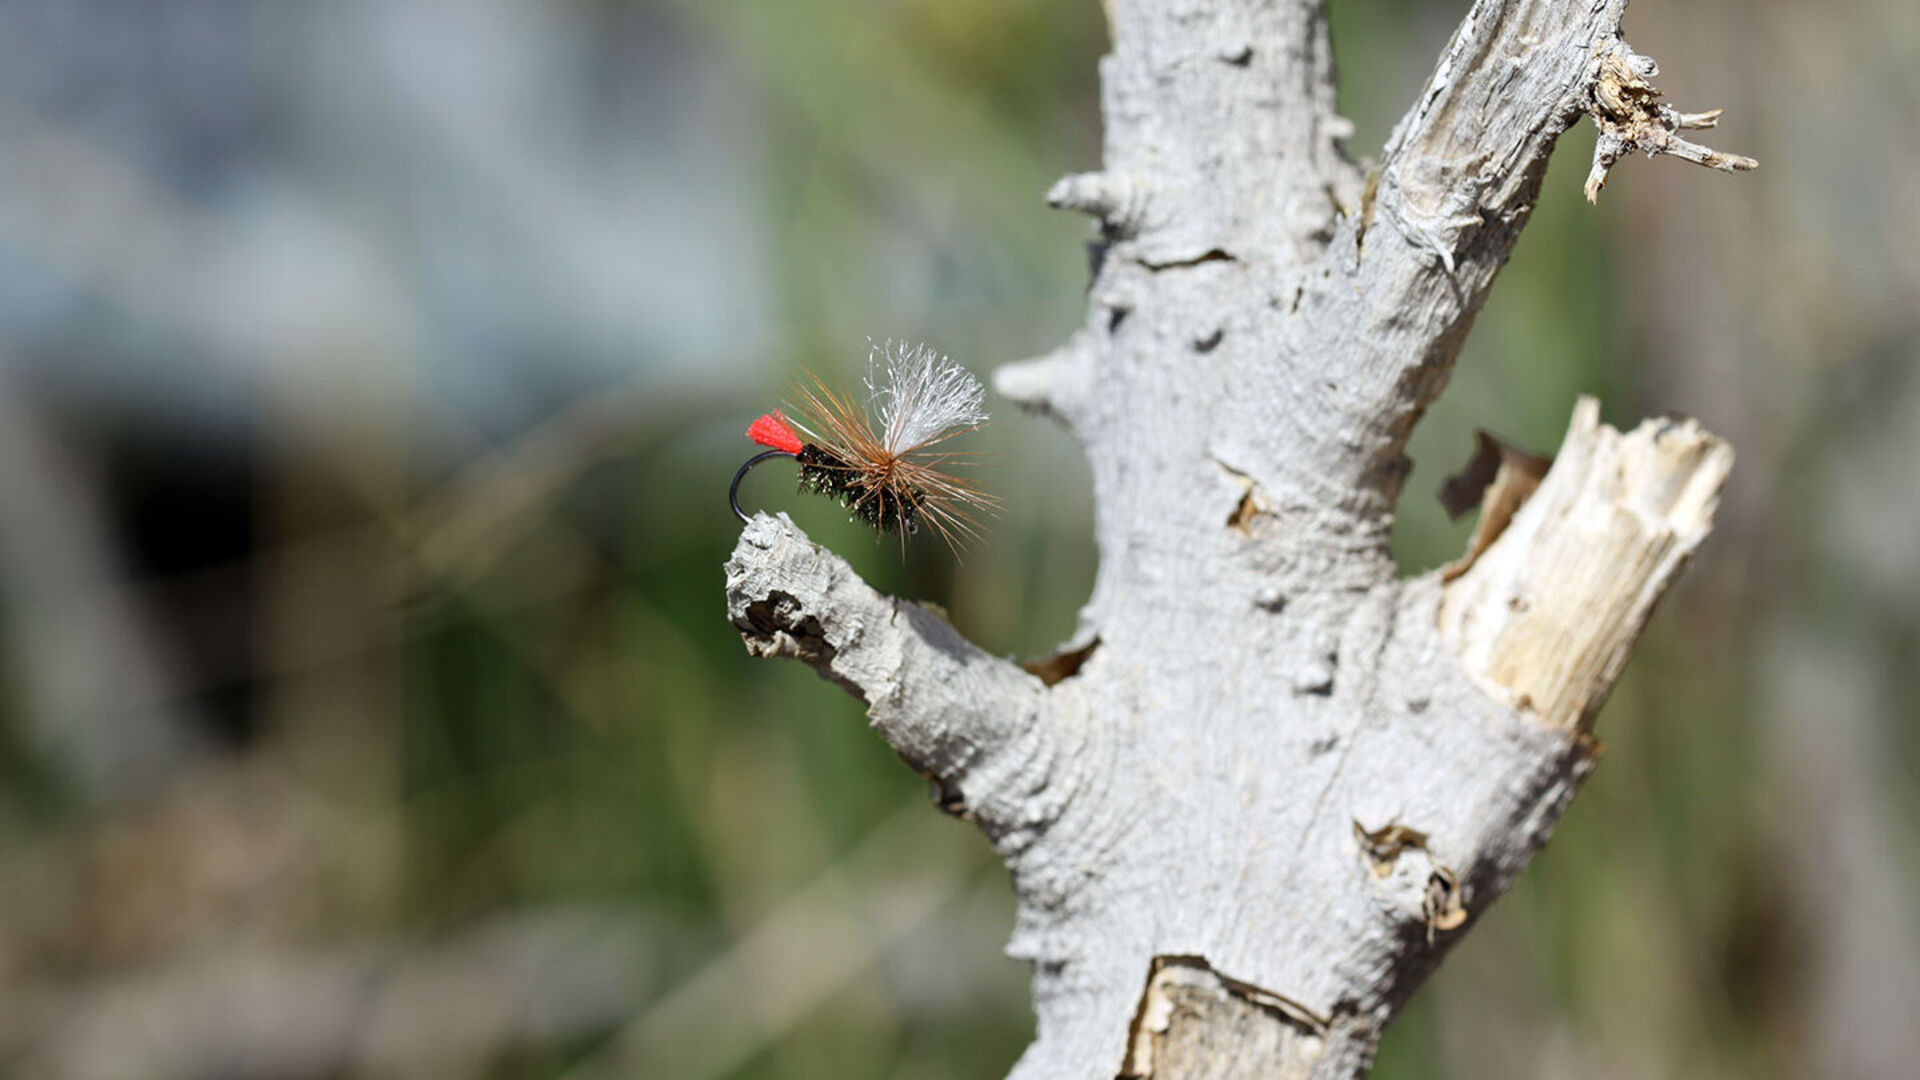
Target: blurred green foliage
568	721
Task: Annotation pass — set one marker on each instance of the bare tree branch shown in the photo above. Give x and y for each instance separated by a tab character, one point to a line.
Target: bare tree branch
1277	782
971	722
1400	284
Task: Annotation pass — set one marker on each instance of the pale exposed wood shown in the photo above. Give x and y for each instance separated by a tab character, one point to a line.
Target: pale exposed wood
1549	612
1196	1024
1261	717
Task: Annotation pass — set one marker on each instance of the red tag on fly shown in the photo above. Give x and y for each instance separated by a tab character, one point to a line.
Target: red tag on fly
773	430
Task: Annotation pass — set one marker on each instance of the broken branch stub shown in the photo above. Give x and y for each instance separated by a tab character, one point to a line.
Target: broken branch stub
1548	613
962	717
1631	117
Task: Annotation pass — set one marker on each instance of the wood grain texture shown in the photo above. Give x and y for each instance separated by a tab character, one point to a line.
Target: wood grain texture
1549	612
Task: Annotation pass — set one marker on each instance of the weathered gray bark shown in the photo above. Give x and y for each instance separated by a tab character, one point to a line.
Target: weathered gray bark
1282	780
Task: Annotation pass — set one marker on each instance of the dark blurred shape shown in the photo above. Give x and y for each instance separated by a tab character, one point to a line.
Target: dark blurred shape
1498	480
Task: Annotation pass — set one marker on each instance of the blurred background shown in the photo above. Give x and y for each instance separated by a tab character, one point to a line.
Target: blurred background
371	374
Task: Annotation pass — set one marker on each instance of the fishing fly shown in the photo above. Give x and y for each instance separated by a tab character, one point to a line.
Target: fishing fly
879	460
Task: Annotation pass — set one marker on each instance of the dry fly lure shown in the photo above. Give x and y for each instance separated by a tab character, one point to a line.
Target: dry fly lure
886	472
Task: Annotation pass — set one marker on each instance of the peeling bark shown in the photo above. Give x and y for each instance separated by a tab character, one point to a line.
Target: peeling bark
1498	480
1194	1022
1268	780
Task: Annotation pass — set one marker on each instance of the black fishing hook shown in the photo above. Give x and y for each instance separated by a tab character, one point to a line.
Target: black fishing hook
733	493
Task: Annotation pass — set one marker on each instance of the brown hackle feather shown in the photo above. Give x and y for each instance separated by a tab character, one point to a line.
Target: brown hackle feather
916	476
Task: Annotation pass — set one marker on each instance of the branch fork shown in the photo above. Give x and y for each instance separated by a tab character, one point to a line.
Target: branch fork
1276	782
